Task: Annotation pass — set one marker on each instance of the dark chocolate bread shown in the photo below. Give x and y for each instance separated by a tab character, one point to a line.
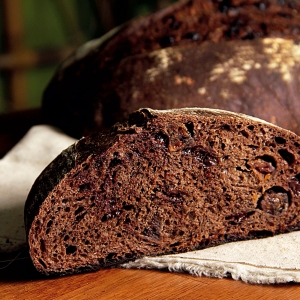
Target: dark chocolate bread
163	182
261	76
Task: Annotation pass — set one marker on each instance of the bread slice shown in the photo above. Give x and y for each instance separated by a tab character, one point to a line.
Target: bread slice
163	182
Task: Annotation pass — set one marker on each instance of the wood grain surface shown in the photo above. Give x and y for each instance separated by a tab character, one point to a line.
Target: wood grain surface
19	279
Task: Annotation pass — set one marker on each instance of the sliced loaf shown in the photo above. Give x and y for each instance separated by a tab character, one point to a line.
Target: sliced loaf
163	182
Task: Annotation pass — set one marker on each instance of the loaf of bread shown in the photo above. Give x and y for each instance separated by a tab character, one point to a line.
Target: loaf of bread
238	55
163	182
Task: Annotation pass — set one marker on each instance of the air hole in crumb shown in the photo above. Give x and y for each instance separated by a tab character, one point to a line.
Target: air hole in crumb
85	167
190	128
67	209
42	245
83	187
175	244
43	263
71	249
80	217
49	223
244	133
287	156
226	127
128	206
111	256
251	127
280	140
66	237
115	161
80	199
79	210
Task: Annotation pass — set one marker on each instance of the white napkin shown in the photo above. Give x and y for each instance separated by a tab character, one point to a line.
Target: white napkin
270	260
18	170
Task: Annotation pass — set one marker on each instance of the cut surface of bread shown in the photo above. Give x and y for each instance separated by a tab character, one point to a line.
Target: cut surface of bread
163	182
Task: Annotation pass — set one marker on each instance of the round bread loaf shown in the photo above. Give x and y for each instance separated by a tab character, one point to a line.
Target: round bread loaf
163	182
238	55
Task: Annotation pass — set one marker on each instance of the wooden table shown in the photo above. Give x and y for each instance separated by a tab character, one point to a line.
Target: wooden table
19	280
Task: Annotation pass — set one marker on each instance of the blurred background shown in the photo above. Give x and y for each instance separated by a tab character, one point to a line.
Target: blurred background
36	36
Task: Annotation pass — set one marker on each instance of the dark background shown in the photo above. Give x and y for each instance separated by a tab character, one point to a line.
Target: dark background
36	36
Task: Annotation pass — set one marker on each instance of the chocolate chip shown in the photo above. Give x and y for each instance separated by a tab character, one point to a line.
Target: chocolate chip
205	157
274	201
264	164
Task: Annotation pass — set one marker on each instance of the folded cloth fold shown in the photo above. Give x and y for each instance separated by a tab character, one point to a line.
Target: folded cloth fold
269	260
